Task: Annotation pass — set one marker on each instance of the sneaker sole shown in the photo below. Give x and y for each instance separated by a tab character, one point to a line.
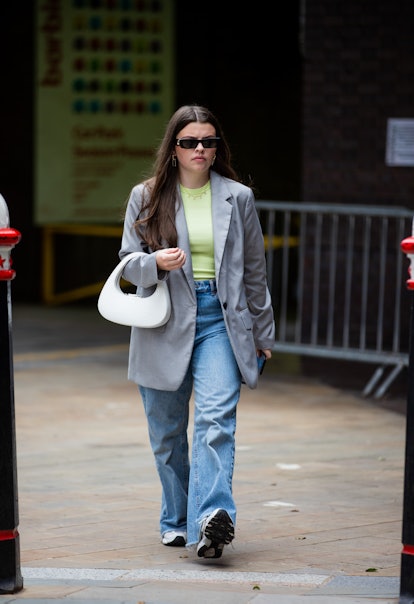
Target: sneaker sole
220	528
220	532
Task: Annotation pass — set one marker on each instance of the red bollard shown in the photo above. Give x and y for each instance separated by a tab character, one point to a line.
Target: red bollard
11	579
407	246
407	555
8	239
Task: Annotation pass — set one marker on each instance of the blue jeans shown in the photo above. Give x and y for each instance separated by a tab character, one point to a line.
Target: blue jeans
189	493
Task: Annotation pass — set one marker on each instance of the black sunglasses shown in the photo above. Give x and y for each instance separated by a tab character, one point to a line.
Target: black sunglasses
192	143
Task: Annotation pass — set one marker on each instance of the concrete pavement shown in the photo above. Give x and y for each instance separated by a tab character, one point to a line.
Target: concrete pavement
318	481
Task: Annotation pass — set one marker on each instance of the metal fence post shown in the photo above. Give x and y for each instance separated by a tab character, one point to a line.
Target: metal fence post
11	579
407	555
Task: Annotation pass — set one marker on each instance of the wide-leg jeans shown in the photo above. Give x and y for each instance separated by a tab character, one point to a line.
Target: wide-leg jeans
191	492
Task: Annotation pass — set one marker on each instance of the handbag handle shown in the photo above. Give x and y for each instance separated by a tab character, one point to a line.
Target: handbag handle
131	309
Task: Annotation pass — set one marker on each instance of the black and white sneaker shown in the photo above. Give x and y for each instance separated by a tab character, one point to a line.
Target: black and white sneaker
217	530
174	538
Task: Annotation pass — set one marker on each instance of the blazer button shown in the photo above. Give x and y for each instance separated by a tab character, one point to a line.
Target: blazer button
225	305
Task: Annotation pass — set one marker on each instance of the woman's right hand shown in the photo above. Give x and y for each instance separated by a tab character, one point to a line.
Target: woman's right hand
170	259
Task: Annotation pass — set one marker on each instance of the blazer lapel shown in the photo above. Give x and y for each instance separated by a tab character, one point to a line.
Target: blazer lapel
221	212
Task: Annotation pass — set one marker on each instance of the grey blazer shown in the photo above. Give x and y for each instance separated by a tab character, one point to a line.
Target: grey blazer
159	357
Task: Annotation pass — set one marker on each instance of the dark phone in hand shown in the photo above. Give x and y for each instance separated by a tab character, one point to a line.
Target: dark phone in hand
261	362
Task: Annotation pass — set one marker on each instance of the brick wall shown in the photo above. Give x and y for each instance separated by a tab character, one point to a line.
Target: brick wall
358	71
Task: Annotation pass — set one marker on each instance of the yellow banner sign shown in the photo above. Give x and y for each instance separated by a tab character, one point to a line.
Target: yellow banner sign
104	92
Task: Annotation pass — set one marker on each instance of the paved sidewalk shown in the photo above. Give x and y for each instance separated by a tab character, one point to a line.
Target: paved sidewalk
318	482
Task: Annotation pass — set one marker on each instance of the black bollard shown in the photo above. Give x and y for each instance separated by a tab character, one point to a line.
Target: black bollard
407	556
11	579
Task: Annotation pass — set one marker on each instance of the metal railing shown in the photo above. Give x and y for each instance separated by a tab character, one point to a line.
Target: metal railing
337	278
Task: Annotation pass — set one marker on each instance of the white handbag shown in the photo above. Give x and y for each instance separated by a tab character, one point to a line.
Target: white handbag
132	309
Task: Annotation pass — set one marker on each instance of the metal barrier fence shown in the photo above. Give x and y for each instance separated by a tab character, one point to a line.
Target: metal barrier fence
337	278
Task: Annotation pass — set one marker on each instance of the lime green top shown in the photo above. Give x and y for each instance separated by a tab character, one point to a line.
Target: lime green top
197	207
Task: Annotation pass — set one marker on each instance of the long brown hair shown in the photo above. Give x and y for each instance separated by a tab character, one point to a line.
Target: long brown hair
156	222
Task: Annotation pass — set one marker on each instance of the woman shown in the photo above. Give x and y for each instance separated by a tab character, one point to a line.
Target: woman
199	227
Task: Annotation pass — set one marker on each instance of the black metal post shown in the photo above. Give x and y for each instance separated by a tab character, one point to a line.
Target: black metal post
10	575
11	579
407	556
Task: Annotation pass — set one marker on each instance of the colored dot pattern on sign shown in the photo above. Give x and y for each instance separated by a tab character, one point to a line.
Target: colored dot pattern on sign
117	56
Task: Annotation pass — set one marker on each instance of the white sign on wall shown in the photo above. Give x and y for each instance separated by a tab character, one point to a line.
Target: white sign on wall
104	92
400	142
